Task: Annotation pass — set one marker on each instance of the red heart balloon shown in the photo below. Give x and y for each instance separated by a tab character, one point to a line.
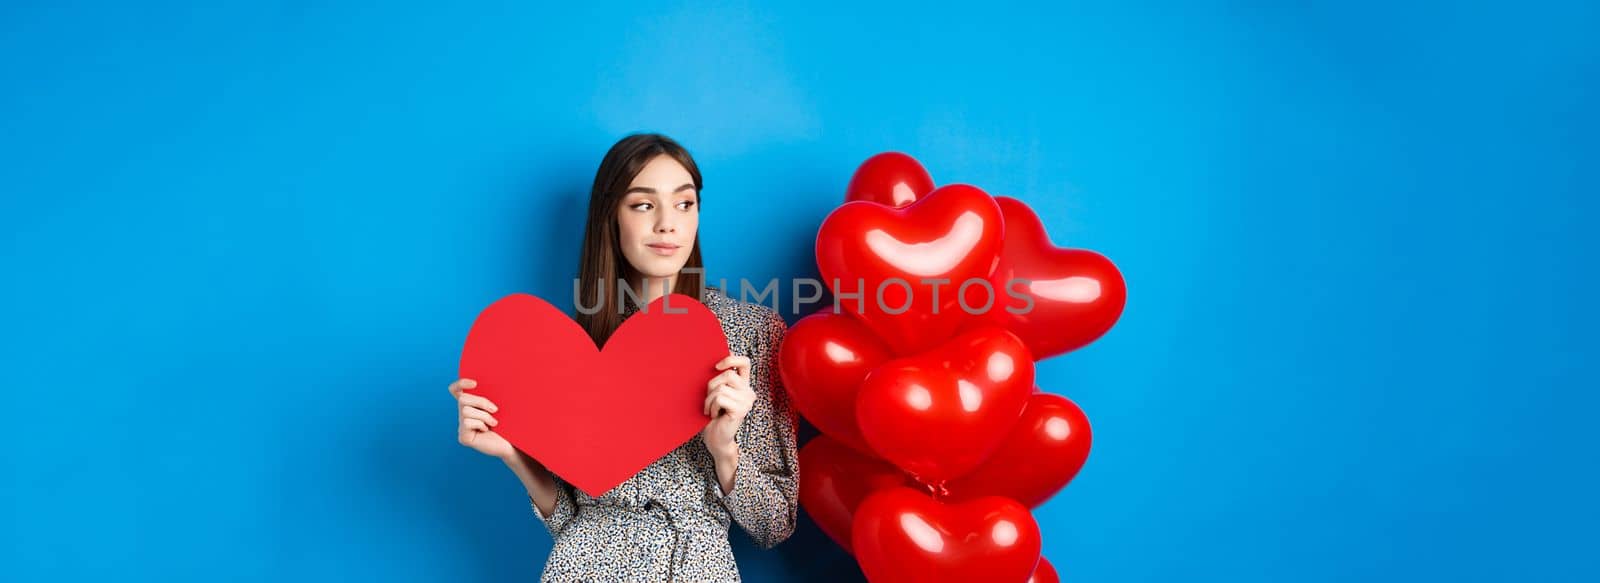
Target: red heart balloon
823	358
835	481
595	417
903	535
1044	573
883	255
1042	453
1077	294
890	178
939	414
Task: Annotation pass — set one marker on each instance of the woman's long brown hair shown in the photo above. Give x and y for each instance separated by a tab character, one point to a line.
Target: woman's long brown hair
600	261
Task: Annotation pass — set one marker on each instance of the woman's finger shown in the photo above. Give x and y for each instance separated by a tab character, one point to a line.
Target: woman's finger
721	380
724	398
461	384
740	364
727	403
470	412
706	407
747	400
711	397
726	378
473	424
479	401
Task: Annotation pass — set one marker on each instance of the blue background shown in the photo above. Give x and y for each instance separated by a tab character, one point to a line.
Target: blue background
244	242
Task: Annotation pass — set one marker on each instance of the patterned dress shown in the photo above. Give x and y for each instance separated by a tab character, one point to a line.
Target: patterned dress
670	521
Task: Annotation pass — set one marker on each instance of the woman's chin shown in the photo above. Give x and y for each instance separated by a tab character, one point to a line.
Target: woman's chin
658	271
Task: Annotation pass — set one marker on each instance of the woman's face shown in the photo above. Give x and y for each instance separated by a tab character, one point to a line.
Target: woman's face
658	219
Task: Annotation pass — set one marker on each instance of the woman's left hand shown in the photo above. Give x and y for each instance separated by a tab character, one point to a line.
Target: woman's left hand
728	400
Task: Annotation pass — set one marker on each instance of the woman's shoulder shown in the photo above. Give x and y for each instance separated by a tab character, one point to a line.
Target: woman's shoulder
744	315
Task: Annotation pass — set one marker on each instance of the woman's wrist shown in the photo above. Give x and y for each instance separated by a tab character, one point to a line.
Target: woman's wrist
727	466
725	452
531	473
523	463
727	456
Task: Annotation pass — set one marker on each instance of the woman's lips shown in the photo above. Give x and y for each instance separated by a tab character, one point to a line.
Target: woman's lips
663	248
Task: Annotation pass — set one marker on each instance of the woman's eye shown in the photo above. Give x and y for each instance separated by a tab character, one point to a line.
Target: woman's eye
640	206
684	205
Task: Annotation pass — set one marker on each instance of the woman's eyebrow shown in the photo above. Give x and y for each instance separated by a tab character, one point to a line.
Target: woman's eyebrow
648	190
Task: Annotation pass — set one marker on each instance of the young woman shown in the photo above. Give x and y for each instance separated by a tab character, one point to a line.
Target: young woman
670	521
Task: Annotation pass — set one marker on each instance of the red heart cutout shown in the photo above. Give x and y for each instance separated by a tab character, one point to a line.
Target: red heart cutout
939	414
901	534
823	359
595	417
1043	452
954	233
1077	294
835	481
890	178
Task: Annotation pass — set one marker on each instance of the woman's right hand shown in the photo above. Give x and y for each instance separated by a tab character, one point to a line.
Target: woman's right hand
476	423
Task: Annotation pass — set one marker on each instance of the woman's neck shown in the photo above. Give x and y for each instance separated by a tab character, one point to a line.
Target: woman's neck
655	290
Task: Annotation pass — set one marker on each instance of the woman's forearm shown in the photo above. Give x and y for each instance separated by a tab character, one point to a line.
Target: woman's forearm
541	485
727	465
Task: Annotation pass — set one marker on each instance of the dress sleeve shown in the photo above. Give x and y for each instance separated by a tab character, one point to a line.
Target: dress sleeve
563	512
766	482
